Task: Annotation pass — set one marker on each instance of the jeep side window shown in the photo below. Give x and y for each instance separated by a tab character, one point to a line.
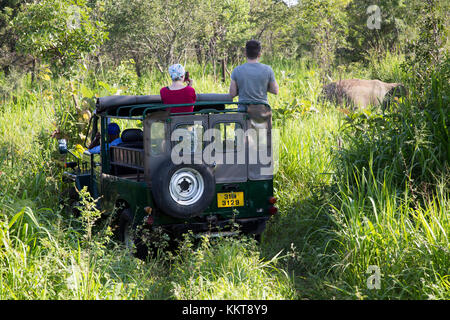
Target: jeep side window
231	136
195	134
158	135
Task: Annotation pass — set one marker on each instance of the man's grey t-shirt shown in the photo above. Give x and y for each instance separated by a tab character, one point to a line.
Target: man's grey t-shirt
252	81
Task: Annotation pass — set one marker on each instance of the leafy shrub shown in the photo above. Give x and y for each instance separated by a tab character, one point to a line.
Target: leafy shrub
227	268
410	141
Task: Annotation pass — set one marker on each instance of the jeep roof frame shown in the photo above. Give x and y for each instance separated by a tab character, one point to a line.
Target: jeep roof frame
126	111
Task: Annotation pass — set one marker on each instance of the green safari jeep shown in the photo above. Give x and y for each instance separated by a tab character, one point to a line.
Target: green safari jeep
204	171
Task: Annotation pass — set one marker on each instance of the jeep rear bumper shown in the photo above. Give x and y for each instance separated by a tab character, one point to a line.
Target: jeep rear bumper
245	225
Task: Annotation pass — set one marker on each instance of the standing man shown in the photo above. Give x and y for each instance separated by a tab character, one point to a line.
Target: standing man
252	80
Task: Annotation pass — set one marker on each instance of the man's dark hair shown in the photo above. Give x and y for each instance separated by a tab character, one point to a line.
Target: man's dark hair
252	49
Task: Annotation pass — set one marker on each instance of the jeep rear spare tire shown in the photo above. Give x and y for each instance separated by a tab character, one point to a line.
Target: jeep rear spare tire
184	190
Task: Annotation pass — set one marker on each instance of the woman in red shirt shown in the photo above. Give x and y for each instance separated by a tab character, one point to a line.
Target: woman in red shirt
177	92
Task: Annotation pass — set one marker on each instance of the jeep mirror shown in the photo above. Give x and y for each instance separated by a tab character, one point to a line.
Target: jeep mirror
62	146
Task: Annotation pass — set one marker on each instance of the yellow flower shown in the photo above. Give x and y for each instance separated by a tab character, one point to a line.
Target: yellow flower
78	150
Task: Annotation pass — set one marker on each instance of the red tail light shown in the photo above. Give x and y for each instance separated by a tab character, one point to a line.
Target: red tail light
273	210
272	200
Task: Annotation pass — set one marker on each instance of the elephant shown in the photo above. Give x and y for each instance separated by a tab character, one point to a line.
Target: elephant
360	93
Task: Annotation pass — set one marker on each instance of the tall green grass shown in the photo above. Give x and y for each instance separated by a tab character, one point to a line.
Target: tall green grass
229	269
353	191
391	209
47	254
385	203
377	226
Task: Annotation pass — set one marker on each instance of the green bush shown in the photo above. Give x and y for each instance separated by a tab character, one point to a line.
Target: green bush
410	142
209	272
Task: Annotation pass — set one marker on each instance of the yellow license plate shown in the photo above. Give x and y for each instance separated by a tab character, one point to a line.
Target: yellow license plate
230	199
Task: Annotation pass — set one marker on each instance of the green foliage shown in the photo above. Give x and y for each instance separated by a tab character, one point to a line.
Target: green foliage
411	141
426	52
60	32
323	26
231	28
89	213
328	229
391	208
8	11
376	225
155	32
207	272
274	24
363	33
161	32
354	190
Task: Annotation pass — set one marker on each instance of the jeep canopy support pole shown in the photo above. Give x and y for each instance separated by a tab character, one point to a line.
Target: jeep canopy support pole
92	122
104	145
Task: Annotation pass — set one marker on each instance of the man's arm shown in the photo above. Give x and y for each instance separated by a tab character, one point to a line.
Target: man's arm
233	89
94	149
96	141
273	87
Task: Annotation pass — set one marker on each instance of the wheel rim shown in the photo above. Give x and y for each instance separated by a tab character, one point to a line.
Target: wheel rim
186	186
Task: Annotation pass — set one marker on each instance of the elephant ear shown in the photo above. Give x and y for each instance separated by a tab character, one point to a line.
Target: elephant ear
333	92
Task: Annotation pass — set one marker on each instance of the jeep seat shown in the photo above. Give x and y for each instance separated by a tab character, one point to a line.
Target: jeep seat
132	138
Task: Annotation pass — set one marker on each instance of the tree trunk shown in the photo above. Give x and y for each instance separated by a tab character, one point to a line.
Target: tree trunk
6	70
223	69
137	66
198	53
33	71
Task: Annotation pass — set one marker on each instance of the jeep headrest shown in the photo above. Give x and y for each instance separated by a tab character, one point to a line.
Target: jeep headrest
132	135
